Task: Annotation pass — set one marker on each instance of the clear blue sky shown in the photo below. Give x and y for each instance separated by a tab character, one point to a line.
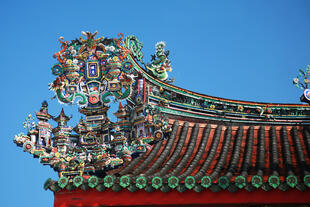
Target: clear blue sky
247	50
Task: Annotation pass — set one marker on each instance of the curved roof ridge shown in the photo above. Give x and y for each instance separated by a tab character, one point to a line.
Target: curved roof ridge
149	77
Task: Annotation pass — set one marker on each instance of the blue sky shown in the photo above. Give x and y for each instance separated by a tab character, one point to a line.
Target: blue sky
248	50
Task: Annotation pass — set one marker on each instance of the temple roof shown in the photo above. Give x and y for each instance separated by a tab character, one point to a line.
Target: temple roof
232	146
221	156
265	164
168	138
217	150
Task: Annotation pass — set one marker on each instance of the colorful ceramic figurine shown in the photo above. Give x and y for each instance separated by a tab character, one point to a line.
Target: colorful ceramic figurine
160	64
302	82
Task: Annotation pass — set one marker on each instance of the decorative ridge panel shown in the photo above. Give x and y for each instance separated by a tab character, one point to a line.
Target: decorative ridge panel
195	94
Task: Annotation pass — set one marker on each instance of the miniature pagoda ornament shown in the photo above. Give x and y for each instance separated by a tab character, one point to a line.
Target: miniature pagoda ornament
92	72
302	82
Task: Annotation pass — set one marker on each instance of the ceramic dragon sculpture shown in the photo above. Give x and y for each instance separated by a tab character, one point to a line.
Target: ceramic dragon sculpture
160	64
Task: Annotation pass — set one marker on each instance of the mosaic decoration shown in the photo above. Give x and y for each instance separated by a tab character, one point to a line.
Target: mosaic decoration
91	72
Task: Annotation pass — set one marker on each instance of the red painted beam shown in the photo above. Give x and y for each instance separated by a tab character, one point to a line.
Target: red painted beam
125	198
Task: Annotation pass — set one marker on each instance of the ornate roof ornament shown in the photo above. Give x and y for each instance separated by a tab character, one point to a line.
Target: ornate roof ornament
92	72
302	82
